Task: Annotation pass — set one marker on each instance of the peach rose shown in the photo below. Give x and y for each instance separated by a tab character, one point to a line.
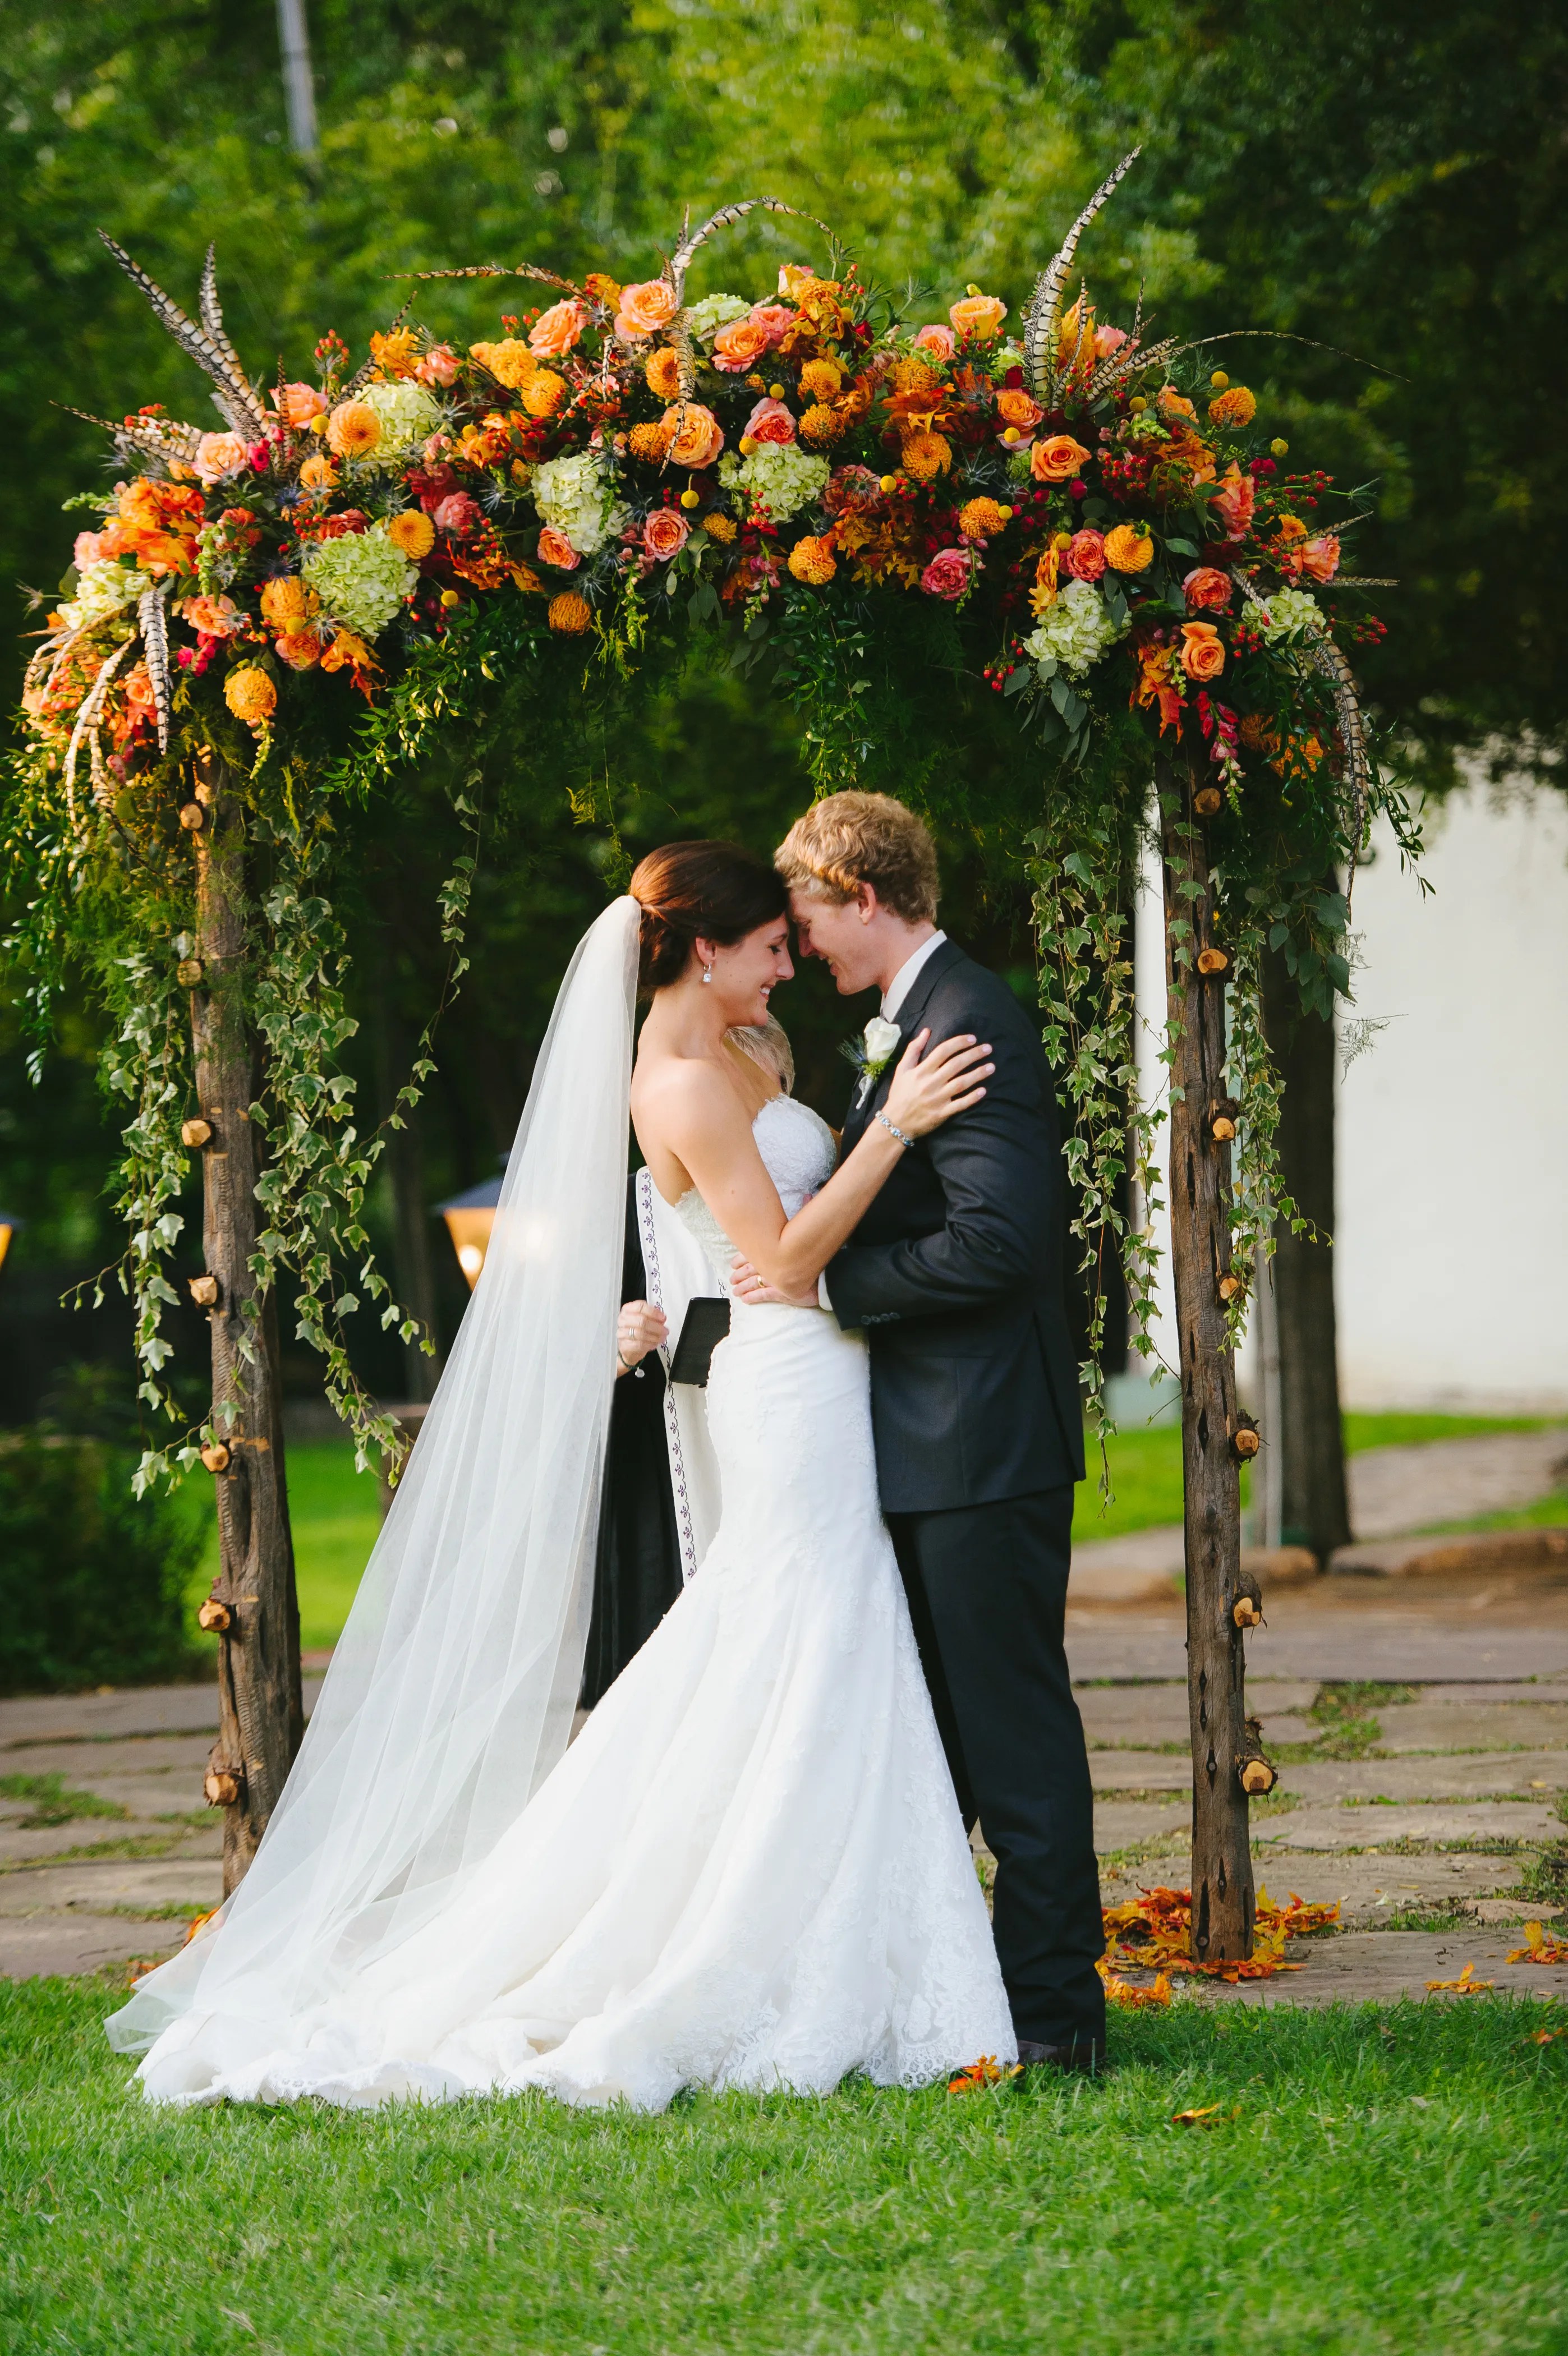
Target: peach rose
556	330
776	317
739	346
665	533
1127	550
556	549
439	366
301	650
215	618
979	316
217	455
1202	654
770	421
937	341
947	574
459	512
1017	409
1175	404
1085	556
1234	502
696	438
1207	590
298	404
1057	459
644	308
1319	557
1108	340
87	549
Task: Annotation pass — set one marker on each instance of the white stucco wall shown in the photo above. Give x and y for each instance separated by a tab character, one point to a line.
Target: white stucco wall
1452	1252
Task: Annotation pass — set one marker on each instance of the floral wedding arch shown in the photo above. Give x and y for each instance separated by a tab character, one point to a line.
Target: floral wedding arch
1039	572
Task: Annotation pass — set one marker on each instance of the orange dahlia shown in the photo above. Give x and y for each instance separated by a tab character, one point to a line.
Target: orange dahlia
926	455
648	441
720	527
979	519
1127	550
251	696
413	532
822	379
811	559
353	430
662	371
1234	408
820	424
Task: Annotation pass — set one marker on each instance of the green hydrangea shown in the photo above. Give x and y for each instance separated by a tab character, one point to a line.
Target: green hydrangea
780	476
102	590
1287	614
1076	631
407	415
362	579
713	312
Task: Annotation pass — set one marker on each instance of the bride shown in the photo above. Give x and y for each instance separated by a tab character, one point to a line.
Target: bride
749	1868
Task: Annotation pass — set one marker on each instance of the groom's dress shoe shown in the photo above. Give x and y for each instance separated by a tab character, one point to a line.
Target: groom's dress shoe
1083	2053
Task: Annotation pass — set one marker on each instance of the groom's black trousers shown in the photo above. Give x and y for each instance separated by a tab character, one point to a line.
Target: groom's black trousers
987	1589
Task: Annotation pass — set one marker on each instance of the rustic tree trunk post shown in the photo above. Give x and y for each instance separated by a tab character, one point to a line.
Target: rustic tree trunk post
253	1606
1200	1256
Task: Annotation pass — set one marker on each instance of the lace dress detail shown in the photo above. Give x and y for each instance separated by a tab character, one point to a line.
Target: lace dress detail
749	1870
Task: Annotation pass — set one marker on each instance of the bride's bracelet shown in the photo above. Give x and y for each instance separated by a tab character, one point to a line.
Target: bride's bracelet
893	1130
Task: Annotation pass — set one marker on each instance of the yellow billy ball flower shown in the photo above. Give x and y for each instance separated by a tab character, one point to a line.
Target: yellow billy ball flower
746	445
972	290
569	614
689	497
1279	448
777	391
450	597
1137	404
811	560
1219	380
1011	434
888	485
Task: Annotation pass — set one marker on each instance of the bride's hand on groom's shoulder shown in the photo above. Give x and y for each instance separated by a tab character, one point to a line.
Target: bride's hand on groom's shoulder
931	1084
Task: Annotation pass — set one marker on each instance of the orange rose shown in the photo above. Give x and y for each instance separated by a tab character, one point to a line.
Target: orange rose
937	341
665	533
1015	408
217	455
979	316
740	345
251	696
1319	557
439	366
1127	550
301	650
556	330
644	308
556	549
1057	459
1175	404
1234	501
414	533
662	371
353	430
697	438
1202	654
1207	589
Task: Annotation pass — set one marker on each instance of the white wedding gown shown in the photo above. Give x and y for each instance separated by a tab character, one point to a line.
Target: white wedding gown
749	1870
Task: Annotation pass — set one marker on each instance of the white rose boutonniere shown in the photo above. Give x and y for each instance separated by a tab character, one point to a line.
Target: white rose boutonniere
873	1052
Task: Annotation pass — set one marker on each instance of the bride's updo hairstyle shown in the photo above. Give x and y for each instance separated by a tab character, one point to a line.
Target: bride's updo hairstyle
713	889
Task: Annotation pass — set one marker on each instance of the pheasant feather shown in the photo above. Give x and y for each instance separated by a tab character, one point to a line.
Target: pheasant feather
154	620
1041	319
162	437
1355	768
232	389
680	259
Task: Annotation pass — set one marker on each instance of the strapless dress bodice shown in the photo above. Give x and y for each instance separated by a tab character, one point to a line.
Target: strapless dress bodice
797	1152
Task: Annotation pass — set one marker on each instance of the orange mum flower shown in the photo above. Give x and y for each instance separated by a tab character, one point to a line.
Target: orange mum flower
1233	409
353	430
662	371
414	533
570	613
251	696
926	454
1127	550
811	559
821	424
979	519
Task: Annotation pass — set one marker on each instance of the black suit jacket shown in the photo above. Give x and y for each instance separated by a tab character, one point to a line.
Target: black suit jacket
956	1272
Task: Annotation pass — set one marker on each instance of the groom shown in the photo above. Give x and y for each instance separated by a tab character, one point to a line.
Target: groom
955	1273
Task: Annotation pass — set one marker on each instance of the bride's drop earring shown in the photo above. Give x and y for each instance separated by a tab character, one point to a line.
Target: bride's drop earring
707	973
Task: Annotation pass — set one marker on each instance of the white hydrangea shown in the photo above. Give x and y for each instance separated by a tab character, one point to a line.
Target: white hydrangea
577	493
1076	630
779	475
102	590
713	312
362	579
1288	614
407	415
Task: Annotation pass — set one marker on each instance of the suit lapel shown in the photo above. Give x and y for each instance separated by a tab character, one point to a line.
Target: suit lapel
909	1018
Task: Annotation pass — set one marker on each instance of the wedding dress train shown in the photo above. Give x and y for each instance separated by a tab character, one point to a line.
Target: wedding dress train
749	1868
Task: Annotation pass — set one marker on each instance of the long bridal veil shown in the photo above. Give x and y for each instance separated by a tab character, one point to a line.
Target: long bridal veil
451	1692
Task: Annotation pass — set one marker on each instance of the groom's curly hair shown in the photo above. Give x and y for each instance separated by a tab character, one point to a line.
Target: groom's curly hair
850	838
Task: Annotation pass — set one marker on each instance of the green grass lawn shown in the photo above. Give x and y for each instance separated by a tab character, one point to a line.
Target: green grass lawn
336	1512
1374	2182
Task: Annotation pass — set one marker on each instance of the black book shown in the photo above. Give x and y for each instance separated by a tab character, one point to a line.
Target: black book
707	1323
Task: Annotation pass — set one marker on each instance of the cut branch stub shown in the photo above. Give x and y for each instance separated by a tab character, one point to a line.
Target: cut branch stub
195	1132
205	1290
1247	1609
1223	1115
1207	801
1245	1439
193	817
214	1614
215	1456
221	1787
1212	961
1230	1286
188	972
1257	1778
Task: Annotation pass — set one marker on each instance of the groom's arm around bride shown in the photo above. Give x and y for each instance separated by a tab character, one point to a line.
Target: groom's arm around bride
956	1274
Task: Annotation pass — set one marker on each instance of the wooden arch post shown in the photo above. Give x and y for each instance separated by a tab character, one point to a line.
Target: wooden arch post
1196	969
253	1608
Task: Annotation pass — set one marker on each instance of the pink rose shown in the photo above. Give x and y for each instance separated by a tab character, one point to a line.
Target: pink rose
214	617
554	547
439	366
776	317
665	533
770	421
458	513
1234	502
937	341
947	574
556	330
1108	340
298	404
1085	558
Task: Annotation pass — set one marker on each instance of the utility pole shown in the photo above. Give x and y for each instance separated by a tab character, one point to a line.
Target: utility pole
299	89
